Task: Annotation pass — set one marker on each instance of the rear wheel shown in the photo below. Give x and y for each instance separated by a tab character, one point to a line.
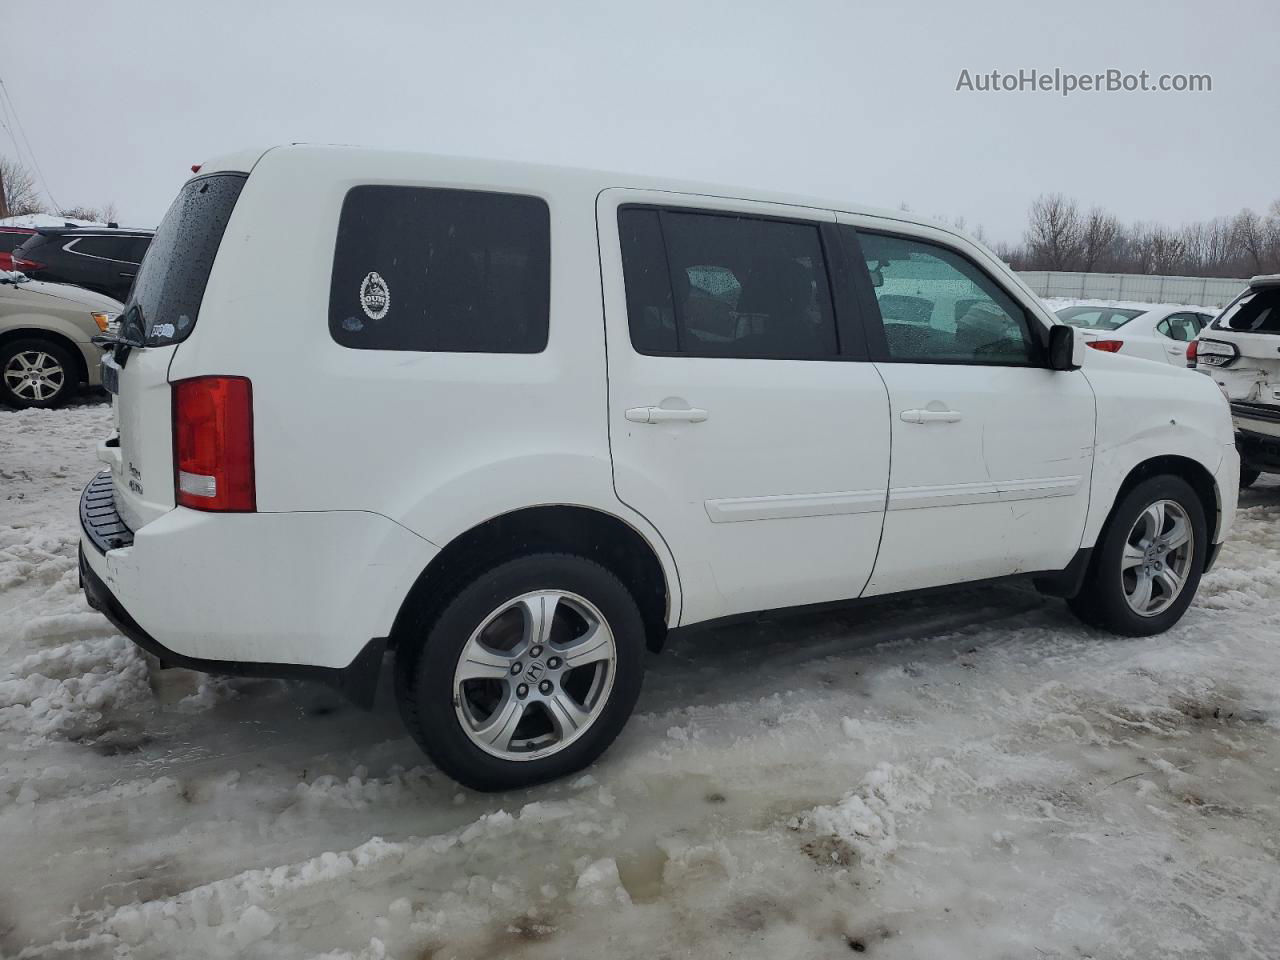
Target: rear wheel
1248	476
527	674
1148	561
35	372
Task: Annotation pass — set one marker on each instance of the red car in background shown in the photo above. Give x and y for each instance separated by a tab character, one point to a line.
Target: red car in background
10	239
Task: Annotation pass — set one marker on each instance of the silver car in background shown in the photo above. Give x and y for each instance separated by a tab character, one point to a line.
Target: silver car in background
46	351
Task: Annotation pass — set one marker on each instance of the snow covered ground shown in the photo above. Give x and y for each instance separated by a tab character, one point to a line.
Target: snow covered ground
973	776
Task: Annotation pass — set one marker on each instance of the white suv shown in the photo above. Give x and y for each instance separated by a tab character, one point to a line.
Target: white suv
1240	350
515	423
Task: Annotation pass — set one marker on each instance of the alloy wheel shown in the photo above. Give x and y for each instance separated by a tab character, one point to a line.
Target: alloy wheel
34	375
1158	553
535	675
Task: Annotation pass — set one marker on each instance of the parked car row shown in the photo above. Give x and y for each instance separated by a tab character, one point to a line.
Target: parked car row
60	285
45	339
102	259
1154	331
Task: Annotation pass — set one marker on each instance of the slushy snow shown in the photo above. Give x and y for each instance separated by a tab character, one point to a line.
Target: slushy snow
975	775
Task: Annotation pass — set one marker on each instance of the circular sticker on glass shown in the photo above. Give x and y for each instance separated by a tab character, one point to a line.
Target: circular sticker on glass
375	298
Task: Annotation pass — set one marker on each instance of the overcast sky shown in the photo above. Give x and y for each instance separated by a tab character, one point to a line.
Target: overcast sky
850	100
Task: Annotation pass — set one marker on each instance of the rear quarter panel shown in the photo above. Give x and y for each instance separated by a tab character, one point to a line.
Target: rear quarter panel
437	442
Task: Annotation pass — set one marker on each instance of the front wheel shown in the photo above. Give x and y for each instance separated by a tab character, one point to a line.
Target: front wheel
1248	477
35	372
527	674
1147	563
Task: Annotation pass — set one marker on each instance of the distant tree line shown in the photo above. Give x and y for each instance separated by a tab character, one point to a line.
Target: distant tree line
1061	235
19	197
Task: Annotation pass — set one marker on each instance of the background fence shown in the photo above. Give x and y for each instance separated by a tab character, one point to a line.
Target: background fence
1202	291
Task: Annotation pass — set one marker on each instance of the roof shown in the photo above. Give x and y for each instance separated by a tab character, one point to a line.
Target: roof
245	160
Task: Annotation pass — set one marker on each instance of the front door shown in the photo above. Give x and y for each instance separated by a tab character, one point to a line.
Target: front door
992	451
743	422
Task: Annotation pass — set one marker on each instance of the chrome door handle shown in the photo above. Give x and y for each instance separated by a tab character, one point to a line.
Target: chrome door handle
931	416
664	415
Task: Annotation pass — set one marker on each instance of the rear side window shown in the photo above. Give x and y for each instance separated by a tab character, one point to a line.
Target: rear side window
718	285
171	283
105	248
435	270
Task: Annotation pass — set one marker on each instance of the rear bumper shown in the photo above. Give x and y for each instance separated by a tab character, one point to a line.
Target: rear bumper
358	681
268	595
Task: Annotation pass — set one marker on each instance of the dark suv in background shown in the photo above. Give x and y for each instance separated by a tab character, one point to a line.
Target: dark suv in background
102	259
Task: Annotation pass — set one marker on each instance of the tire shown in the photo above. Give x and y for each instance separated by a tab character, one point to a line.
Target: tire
450	718
1248	477
57	371
1104	600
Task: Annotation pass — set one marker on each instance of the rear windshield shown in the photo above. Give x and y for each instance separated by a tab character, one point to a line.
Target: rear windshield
1097	318
174	272
1255	311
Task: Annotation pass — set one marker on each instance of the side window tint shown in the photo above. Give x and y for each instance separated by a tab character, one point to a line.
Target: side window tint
136	249
107	248
425	269
737	287
937	307
650	313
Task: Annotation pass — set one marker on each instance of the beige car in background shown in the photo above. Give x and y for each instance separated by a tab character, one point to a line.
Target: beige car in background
45	348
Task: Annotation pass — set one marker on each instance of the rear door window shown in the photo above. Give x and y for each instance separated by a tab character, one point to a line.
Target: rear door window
435	270
171	283
103	248
721	285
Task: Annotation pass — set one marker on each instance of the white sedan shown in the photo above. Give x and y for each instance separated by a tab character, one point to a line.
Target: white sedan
1153	331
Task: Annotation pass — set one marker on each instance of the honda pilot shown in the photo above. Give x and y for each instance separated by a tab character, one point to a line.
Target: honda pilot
513	424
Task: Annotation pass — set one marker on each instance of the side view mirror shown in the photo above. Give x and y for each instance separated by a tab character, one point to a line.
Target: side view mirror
1063	349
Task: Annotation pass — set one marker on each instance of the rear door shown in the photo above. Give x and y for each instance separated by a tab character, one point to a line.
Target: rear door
1175	332
162	312
992	451
744	421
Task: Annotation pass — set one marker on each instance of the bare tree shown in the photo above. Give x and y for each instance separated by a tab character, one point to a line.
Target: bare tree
103	214
1054	232
1248	236
1168	251
20	194
1098	238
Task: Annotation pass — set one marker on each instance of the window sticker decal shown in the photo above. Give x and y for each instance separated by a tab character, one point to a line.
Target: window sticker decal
375	297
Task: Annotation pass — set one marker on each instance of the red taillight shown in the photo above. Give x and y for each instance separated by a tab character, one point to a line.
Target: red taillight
1106	346
1193	351
21	263
213	444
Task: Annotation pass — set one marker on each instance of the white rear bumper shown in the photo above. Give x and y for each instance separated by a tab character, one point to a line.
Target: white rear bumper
270	588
